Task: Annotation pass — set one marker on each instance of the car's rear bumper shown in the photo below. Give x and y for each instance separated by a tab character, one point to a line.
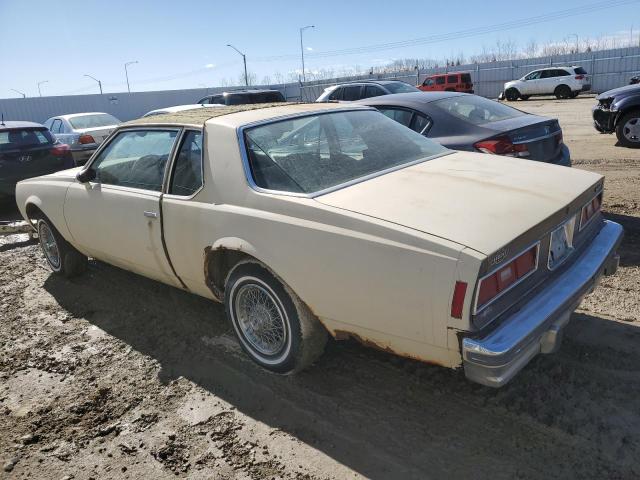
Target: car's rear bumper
537	327
563	158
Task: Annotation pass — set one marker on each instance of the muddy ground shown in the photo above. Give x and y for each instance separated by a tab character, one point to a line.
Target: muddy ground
111	375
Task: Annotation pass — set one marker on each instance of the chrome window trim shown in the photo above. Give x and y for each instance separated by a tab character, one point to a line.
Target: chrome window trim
477	310
581	225
240	133
169	171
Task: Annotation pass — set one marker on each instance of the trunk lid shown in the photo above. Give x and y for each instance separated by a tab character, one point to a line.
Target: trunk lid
480	201
99	134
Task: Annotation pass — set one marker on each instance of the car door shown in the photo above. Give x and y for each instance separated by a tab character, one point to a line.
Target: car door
116	217
530	85
548	82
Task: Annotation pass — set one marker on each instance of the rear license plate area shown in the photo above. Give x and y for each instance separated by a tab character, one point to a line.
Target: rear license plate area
561	243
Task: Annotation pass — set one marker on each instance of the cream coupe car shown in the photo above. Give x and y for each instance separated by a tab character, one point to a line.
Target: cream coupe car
309	220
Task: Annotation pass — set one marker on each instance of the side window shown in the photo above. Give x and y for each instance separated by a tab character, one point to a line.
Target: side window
56	126
428	82
452	79
351	93
336	94
397	114
439	80
186	177
136	159
421	123
372	91
533	75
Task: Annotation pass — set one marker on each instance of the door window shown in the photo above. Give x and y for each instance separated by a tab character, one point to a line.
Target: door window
186	178
56	126
135	159
452	79
372	91
533	75
439	80
428	82
351	93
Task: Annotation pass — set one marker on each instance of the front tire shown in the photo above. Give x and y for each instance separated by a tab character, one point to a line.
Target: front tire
512	94
628	130
272	324
62	258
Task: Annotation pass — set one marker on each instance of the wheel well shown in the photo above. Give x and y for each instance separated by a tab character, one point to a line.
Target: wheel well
562	86
217	265
635	108
33	211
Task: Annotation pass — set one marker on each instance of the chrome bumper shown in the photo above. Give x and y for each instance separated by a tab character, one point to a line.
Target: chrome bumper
537	327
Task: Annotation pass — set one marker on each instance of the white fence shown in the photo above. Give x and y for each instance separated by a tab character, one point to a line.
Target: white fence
608	69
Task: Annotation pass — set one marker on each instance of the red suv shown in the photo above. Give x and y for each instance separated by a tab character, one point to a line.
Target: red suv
448	82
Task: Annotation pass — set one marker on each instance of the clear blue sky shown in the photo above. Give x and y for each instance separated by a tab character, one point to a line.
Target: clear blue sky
175	41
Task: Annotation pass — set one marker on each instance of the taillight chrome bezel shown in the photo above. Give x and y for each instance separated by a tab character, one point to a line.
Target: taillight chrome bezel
477	309
582	224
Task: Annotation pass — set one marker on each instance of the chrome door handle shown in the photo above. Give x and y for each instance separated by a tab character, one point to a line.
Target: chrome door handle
151	214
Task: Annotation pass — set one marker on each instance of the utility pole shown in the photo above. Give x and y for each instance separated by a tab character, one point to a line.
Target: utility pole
304	78
18	91
577	45
40	83
244	59
99	82
126	74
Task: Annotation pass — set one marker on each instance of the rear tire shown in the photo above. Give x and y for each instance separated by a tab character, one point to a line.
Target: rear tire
628	129
512	94
274	327
562	91
62	258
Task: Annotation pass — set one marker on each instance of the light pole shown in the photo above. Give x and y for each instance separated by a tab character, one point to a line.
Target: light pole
18	91
244	59
575	35
99	82
40	83
302	50
126	73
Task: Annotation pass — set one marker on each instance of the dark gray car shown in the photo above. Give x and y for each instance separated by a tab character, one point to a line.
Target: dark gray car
472	123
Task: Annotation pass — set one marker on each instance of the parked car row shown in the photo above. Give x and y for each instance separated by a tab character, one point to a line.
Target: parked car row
297	217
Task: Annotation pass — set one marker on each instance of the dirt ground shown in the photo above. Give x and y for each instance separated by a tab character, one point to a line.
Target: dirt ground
111	375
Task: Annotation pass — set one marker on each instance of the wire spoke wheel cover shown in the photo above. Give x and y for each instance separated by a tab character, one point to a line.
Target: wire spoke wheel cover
49	245
260	318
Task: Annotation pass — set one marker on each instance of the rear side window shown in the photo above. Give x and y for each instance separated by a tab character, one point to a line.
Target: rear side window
186	177
351	93
24	138
56	126
439	80
135	159
561	73
421	123
452	79
580	71
466	78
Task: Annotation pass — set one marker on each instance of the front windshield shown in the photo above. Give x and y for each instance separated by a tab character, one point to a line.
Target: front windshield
400	87
313	153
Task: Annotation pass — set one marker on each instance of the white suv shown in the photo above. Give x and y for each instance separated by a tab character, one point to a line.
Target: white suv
563	82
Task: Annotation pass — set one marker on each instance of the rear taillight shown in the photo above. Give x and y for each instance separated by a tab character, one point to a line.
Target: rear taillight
457	303
60	150
579	77
590	210
86	139
502	146
494	284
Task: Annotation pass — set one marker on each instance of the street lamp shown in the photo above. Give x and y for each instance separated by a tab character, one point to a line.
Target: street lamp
244	59
126	74
302	49
40	83
18	91
99	82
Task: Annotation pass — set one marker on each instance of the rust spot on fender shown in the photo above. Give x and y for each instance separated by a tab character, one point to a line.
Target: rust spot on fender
344	335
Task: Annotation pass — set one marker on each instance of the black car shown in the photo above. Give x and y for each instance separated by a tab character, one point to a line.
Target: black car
634	80
242	97
349	92
28	150
462	121
618	111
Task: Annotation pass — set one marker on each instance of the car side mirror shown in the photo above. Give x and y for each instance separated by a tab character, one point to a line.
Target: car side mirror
84	176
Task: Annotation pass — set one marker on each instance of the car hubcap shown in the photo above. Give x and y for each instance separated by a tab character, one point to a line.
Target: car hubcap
260	319
49	245
631	130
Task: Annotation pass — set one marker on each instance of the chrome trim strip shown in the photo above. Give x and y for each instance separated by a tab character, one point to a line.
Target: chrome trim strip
530	140
477	310
240	133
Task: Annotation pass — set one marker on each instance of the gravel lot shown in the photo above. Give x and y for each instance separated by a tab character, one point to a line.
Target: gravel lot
115	376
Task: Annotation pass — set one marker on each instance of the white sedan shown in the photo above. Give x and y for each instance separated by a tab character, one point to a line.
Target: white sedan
332	219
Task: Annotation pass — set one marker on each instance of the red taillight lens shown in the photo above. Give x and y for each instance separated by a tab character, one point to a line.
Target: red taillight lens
60	150
505	277
579	77
84	139
502	146
457	303
590	209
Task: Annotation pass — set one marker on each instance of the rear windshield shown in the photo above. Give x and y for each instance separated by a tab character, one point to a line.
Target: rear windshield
93	121
477	110
400	87
245	98
312	153
580	71
24	137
